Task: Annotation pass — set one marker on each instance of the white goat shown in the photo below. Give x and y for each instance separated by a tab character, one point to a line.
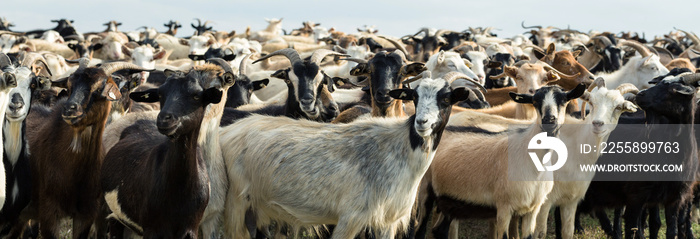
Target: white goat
145	57
639	70
371	183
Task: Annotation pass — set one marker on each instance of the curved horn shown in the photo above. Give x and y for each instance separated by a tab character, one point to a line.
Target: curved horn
243	68
207	22
627	88
220	62
503	74
111	67
522	24
424	74
4	61
603	39
397	45
639	47
199	22
12	33
82	62
562	75
582	45
598	82
32	58
422	30
358	60
319	54
454	75
290	53
692	37
690	79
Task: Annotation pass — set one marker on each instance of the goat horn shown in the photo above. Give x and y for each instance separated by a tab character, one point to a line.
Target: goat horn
598	82
422	30
222	63
522	24
290	53
582	45
397	45
12	33
31	58
111	67
605	40
690	79
627	88
243	68
454	75
503	74
692	37
319	54
4	61
199	22
83	63
637	46
358	60
424	74
562	75
207	22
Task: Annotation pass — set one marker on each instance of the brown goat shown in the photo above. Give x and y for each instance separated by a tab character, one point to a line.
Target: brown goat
681	63
68	152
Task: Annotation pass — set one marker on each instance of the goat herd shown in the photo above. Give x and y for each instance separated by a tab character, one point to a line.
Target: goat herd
312	132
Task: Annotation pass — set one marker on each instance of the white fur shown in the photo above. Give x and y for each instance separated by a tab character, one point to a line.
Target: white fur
638	71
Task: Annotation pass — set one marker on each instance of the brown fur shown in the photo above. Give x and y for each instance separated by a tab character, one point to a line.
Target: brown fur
681	63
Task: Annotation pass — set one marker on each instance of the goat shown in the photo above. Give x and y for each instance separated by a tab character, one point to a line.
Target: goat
274	29
173	171
443	62
16	150
241	92
200	28
8	40
601	55
386	208
5	24
172	27
8	81
638	70
681	63
496	67
108	46
68	157
144	56
507	197
565	62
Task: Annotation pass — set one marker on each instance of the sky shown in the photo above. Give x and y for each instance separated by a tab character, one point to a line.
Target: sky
391	17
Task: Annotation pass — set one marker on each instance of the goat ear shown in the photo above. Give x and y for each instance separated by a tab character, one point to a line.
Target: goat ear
229	57
521	98
168	73
21	40
149	96
552	76
212	96
126	51
494	64
62	83
40	83
576	53
360	69
159	55
441	57
576	92
414	69
459	94
402	94
538	53
196	57
111	91
467	63
10	79
228	79
550	49
628	106
282	74
96	46
184	42
260	84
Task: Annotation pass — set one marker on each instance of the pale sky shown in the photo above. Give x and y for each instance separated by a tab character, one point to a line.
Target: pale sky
391	17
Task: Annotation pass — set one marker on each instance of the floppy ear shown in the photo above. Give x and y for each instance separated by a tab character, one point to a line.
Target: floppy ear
212	96
330	84
360	69
402	94
148	96
459	94
62	83
168	73
414	69
521	98
281	74
40	83
111	91
260	84
576	92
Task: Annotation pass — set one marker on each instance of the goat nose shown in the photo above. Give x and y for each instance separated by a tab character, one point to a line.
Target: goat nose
531	91
16	106
548	119
598	123
422	121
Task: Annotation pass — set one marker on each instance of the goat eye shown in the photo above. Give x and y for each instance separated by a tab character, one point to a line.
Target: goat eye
196	97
